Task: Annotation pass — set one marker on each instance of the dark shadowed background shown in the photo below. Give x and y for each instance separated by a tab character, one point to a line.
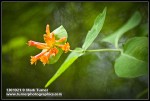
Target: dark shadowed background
91	76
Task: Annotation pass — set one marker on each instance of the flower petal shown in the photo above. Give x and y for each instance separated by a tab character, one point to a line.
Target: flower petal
54	51
65	47
44	58
33	60
47	29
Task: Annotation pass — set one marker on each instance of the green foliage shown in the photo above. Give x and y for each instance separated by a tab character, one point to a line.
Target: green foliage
60	32
131	23
93	33
133	62
70	59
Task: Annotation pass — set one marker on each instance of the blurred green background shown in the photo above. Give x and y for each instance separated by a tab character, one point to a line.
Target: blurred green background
91	76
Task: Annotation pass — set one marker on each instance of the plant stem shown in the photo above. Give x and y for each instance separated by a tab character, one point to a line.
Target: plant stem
100	50
75	51
103	50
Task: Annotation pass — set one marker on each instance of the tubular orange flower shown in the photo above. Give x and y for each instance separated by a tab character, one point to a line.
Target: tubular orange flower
49	48
37	44
35	58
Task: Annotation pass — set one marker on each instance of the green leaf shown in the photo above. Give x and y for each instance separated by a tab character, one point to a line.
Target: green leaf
93	33
131	23
54	59
137	47
70	59
133	62
60	32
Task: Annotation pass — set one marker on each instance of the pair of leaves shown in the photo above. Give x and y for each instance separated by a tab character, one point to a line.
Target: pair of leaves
133	61
92	34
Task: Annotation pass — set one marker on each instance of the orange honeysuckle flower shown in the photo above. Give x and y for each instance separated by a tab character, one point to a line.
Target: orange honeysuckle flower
49	48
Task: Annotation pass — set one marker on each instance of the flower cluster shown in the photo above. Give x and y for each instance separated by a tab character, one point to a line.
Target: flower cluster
49	48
